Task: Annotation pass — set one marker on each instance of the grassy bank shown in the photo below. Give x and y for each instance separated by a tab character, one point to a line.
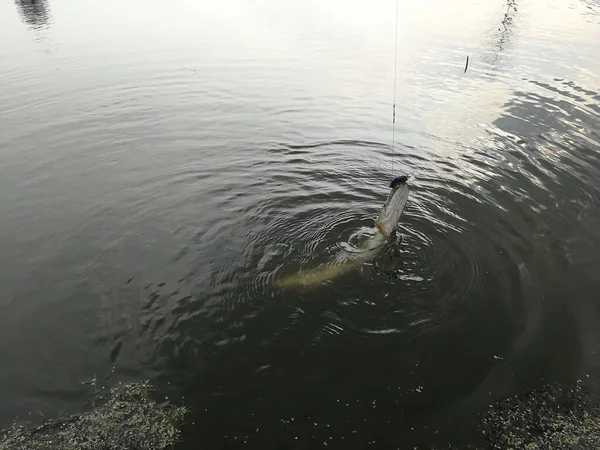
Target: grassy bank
127	419
550	418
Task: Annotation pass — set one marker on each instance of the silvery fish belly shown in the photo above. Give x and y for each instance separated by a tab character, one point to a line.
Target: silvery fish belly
392	210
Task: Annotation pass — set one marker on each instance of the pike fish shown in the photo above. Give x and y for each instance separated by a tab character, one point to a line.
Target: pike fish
385	224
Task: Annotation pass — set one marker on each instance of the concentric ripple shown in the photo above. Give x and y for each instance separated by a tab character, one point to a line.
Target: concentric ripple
160	175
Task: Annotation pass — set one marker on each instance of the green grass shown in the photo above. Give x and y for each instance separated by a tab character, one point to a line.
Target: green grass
128	419
551	418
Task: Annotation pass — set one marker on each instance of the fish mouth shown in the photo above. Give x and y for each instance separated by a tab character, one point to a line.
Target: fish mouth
398	181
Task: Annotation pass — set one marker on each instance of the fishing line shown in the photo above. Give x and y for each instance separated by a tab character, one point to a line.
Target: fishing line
394	103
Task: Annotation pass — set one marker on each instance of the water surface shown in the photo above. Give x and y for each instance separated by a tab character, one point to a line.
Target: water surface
162	164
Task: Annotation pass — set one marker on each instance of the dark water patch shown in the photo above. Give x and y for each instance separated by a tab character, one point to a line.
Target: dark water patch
35	13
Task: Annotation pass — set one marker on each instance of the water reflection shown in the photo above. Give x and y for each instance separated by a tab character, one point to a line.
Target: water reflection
505	31
35	13
592	6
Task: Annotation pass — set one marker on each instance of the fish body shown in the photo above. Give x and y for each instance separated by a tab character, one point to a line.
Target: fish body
386	223
388	218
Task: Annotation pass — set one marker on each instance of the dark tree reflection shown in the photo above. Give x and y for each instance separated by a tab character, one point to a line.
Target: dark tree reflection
35	13
501	36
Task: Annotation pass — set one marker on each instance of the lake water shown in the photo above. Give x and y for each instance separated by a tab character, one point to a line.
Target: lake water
162	164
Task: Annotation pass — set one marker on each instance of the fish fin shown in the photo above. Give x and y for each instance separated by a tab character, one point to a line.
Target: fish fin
380	227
